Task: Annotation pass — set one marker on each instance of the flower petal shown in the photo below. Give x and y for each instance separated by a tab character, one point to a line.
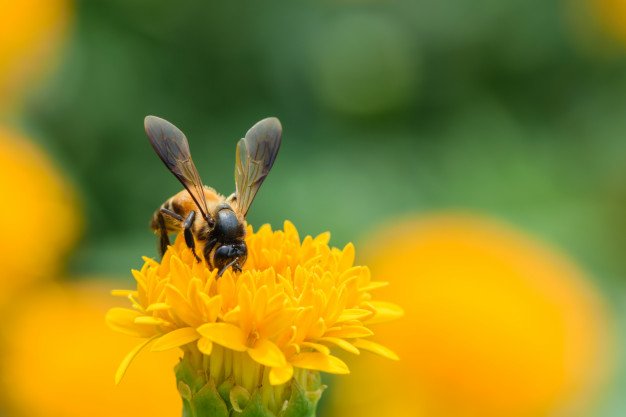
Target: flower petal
123	293
347	257
123	320
268	354
150	320
316	346
158	307
205	346
319	362
349	332
225	334
354	314
376	348
374	285
344	344
385	311
121	370
175	339
281	375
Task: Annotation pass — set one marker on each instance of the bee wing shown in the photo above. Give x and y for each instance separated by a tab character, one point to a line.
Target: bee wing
256	154
172	147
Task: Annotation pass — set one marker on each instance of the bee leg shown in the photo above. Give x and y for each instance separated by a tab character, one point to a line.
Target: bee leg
191	244
164	240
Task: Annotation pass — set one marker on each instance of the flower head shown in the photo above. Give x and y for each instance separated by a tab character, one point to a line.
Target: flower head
293	302
43	215
497	324
44	368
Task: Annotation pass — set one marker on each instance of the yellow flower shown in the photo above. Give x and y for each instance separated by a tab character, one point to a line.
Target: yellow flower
293	302
58	354
497	324
39	212
611	16
30	32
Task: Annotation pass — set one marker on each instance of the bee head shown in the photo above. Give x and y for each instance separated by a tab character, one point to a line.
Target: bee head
229	233
230	255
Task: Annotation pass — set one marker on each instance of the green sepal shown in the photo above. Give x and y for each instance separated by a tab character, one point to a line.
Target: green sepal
224	389
208	403
200	398
302	403
187	374
255	408
239	398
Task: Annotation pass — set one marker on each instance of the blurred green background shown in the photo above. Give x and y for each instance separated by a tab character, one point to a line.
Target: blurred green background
388	108
514	109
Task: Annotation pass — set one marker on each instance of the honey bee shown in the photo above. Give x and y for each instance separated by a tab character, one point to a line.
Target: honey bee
211	223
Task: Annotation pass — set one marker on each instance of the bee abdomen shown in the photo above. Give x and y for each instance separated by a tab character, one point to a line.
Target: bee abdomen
171	224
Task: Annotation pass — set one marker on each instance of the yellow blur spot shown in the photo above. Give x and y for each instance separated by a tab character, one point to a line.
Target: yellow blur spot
497	324
30	33
38	212
612	17
60	358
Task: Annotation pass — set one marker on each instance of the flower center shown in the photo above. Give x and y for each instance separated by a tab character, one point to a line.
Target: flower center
253	336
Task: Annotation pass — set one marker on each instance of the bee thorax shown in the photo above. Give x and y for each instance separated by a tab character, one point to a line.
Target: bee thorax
227	227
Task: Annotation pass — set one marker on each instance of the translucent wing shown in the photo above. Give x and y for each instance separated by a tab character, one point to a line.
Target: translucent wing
256	154
172	147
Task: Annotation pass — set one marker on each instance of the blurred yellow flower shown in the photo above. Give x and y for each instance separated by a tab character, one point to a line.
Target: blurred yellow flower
58	354
273	322
30	33
496	325
611	15
39	212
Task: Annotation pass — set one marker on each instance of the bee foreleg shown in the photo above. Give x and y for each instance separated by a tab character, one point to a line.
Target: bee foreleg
189	240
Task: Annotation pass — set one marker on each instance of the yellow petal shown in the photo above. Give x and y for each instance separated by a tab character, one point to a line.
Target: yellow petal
384	312
155	321
205	346
268	354
319	362
349	332
224	334
353	314
121	370
344	344
213	307
374	285
316	346
181	305
123	293
347	257
175	338
233	315
123	321
290	230
158	307
322	238
376	348
281	375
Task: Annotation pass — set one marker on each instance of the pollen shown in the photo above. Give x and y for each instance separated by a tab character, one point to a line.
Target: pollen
293	305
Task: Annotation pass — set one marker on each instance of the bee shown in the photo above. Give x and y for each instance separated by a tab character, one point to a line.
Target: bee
212	224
